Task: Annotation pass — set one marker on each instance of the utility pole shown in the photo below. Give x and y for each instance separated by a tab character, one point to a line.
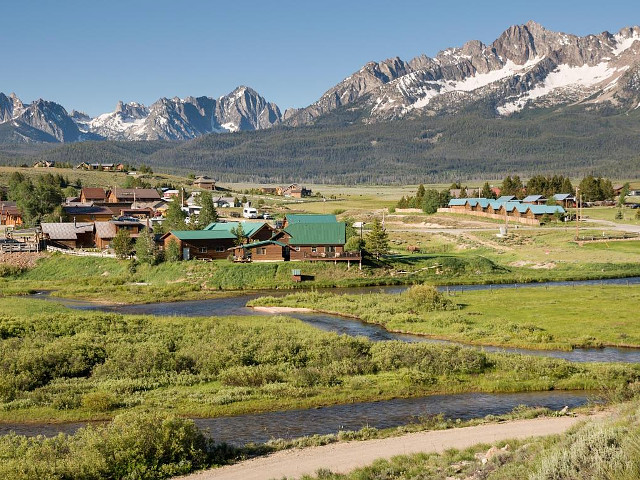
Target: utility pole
577	212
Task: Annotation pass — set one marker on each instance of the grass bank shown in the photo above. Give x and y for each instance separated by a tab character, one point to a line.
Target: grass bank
58	364
538	318
115	281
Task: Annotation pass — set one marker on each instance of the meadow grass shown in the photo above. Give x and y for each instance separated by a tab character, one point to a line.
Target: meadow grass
57	364
538	318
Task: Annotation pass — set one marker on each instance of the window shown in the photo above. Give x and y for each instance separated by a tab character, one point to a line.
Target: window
202	250
219	249
314	249
330	249
297	249
261	251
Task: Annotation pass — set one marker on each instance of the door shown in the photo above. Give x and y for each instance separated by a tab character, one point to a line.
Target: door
286	253
185	253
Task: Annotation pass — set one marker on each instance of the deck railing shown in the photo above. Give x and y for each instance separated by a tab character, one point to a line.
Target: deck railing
333	255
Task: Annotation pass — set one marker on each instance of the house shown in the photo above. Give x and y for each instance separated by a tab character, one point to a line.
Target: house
170	194
204	183
88	195
200	244
69	234
262	251
269	190
294	190
314	240
567	200
224	202
10	214
507	198
131	195
253	231
308	218
44	164
535	199
83	166
106	231
87	213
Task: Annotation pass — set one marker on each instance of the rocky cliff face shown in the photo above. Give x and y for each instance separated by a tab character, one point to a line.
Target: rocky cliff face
526	67
181	119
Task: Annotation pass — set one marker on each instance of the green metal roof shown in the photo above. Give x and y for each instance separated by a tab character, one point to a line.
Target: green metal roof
201	235
249	228
260	244
296	218
317	233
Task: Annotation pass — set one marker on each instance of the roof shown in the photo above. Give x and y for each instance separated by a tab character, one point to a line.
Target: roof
457	202
86	210
563	196
546	209
506	198
66	230
105	229
200	235
533	198
310	218
94	193
249	228
317	233
260	244
139	193
204	179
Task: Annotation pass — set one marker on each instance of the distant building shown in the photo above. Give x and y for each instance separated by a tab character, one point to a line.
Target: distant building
204	183
88	195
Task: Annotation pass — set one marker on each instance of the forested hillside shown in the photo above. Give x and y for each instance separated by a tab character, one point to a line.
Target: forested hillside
341	149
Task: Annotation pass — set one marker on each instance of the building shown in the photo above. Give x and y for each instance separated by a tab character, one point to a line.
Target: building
10	214
522	212
204	183
106	231
567	200
294	190
69	234
131	195
87	213
44	164
535	199
89	195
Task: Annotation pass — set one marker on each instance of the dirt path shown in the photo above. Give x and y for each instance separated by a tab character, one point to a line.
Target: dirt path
344	457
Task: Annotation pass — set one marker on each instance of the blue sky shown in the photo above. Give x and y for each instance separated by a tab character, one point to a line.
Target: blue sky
87	55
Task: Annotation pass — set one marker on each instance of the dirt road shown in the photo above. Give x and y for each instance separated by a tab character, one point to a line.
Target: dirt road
344	457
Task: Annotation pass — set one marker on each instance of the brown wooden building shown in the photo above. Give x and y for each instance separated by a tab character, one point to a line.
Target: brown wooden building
69	234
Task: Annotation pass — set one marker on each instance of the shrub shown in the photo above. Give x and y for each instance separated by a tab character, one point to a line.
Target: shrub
99	401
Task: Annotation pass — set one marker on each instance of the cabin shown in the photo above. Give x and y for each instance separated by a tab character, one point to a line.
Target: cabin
567	200
200	244
87	213
535	199
294	190
10	214
89	195
261	251
44	164
69	235
131	195
204	183
106	231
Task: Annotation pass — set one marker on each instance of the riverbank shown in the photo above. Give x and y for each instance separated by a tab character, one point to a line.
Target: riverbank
561	318
344	457
66	365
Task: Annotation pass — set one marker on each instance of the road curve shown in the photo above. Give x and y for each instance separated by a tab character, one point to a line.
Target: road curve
344	457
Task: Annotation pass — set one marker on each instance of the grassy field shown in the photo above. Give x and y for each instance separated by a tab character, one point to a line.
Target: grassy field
58	364
539	318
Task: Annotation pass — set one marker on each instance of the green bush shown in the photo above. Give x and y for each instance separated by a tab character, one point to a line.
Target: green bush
99	401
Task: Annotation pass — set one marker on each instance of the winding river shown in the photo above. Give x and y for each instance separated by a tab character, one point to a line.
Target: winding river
390	413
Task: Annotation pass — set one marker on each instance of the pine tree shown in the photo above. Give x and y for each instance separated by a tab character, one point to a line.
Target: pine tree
208	213
175	217
430	202
377	240
486	191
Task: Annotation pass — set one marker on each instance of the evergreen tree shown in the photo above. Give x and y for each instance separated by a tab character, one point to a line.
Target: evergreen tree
431	202
420	194
377	240
208	213
175	217
122	244
567	187
486	191
622	198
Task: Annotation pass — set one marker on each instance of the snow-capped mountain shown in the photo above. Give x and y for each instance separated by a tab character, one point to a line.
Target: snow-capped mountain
184	118
526	67
166	119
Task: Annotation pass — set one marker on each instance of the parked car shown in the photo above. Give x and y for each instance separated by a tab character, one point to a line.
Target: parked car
267	216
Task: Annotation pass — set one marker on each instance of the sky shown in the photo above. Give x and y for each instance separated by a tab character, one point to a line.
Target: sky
87	55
